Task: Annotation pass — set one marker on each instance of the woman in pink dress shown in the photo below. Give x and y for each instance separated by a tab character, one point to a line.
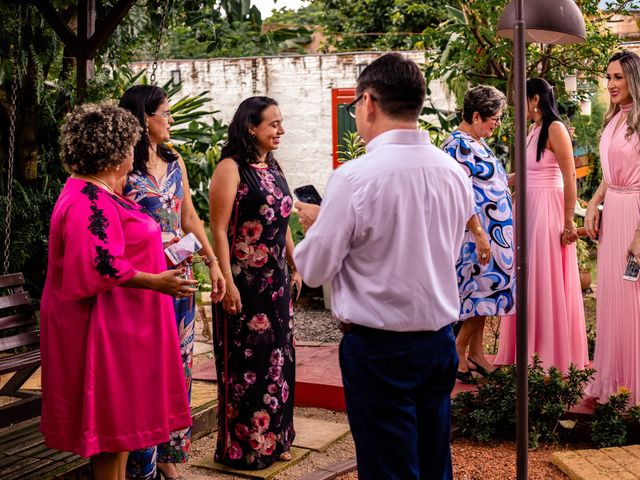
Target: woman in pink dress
105	388
617	354
556	329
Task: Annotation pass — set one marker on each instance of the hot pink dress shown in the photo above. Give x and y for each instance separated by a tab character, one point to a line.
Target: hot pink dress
112	379
556	328
617	354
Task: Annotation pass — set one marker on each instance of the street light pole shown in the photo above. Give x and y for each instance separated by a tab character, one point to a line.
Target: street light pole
550	22
522	263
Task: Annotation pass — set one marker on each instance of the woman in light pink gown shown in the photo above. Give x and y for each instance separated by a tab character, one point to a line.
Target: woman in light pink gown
106	388
556	328
617	354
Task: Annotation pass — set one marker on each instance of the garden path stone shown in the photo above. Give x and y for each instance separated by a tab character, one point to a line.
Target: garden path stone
613	463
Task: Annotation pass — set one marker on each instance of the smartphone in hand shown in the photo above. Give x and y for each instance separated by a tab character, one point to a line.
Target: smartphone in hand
308	194
187	246
632	272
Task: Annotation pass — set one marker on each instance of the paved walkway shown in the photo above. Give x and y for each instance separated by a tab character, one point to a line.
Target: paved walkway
615	463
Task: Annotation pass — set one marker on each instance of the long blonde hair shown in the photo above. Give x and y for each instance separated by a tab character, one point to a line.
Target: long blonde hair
630	63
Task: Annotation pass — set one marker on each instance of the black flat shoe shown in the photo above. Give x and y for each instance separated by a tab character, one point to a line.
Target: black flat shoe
479	368
465	377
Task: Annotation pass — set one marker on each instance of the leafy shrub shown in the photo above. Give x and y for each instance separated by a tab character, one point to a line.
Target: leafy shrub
612	422
491	411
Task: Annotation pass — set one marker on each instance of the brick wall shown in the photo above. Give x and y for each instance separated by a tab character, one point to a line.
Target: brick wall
302	86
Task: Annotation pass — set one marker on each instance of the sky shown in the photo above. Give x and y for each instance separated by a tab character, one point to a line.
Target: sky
265	6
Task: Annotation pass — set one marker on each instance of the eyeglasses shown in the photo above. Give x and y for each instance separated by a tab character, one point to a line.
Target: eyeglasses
497	118
351	108
166	114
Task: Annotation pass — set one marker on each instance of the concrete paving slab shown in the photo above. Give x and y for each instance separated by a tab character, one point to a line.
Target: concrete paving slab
200	347
315	434
202	392
613	463
266	474
205	371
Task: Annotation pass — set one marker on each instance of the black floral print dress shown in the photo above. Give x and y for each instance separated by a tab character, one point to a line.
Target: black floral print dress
255	356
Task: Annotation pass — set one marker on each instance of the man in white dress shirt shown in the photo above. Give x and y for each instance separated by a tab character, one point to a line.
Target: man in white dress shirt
387	237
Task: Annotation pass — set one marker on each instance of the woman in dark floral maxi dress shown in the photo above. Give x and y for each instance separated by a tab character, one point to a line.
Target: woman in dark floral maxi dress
253	328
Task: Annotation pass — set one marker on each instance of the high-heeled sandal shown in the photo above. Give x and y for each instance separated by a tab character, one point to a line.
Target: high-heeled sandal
466	377
479	368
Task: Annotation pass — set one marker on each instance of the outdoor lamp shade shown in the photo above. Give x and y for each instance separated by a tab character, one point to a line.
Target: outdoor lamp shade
547	21
570	84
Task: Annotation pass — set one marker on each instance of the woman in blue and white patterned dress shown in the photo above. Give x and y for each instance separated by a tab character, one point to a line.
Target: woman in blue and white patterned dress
486	276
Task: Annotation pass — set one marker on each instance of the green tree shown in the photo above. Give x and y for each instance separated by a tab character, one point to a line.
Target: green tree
378	24
465	48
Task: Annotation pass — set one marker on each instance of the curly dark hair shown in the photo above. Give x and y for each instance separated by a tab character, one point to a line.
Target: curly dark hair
96	137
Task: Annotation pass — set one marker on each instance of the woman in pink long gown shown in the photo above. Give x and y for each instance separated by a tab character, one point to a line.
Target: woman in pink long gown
106	389
617	354
556	328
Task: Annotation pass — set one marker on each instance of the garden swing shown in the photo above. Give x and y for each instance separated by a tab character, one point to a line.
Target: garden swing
19	331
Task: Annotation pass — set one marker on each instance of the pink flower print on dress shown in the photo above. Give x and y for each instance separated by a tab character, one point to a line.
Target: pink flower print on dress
268	444
243	251
259	257
275	372
241	431
251	231
272	388
250	378
256	440
276	358
267	213
271	199
248	353
235	451
243	189
259	323
285	392
285	206
260	420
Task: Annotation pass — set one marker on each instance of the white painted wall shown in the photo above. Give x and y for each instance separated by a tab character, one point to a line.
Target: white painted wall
301	85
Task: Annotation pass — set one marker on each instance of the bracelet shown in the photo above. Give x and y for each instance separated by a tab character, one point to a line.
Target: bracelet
208	260
228	270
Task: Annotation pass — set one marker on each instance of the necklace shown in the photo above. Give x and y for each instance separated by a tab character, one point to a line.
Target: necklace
108	187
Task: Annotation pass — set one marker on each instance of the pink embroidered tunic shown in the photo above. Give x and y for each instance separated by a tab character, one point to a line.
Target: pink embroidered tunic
112	378
617	354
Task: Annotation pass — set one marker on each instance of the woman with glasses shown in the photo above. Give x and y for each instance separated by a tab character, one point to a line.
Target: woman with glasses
160	184
486	276
556	328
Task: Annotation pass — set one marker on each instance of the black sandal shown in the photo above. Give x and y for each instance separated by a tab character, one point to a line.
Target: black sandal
466	377
479	368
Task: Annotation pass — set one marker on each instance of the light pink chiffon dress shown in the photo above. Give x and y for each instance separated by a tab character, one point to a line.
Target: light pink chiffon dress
617	354
556	328
112	378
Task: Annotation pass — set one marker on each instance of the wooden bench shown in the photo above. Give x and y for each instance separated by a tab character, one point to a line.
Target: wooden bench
19	349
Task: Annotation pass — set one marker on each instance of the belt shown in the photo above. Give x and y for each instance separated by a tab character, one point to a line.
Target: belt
361	329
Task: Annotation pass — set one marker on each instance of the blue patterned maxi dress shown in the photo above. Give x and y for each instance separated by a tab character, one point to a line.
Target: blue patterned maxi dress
485	289
255	355
163	199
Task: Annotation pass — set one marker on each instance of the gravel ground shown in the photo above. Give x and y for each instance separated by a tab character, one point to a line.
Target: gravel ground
479	461
315	324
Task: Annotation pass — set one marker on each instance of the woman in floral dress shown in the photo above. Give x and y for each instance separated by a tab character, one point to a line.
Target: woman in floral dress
486	276
159	183
250	204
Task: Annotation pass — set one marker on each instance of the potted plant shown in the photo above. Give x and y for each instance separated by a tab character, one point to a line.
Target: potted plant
584	263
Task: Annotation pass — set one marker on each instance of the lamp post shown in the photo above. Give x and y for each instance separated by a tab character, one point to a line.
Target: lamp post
539	21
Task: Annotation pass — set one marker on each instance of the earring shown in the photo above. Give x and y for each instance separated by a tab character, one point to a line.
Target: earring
535	109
